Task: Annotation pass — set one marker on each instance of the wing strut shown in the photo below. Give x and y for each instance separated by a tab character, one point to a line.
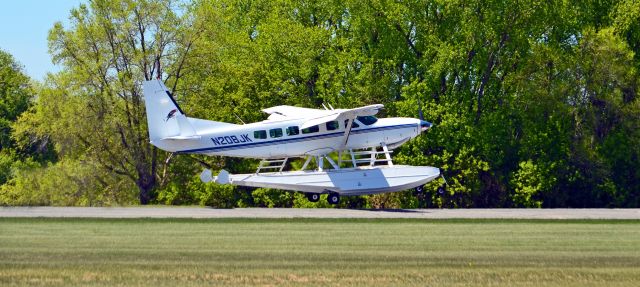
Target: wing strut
347	132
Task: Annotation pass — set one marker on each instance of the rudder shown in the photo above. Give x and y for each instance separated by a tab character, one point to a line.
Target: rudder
162	111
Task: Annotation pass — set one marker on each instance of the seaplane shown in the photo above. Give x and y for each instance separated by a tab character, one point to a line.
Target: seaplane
325	136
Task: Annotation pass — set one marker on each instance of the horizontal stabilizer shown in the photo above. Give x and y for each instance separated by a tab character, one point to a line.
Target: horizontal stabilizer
186	130
195	137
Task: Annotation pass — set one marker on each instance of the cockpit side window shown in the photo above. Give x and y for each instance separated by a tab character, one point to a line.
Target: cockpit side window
312	129
353	125
333	125
368	120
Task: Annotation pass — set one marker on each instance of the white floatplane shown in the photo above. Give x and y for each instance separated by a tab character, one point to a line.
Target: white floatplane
295	132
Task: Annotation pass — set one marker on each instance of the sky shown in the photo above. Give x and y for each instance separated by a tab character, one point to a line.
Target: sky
24	26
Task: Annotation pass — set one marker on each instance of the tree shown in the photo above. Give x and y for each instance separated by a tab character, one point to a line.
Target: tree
110	47
15	98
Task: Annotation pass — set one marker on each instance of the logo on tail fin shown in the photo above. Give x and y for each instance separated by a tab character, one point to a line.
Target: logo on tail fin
171	114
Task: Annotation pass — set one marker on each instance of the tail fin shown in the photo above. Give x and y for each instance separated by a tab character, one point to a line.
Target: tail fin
164	117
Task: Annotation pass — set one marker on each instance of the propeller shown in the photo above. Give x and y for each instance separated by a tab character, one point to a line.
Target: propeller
424	125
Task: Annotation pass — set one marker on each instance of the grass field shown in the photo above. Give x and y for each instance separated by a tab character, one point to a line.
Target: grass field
303	252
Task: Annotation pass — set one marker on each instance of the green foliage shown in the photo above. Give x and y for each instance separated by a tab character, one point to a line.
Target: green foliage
15	94
194	191
15	98
301	201
7	161
528	182
65	183
266	197
626	23
384	201
219	196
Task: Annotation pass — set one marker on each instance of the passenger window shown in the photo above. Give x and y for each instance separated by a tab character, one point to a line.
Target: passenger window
275	133
353	125
334	125
313	129
368	120
260	134
292	131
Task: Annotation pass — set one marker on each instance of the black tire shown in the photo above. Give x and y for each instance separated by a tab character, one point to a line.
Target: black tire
441	190
313	197
419	189
333	198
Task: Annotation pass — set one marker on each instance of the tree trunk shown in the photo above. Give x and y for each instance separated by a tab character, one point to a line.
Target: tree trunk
146	182
491	64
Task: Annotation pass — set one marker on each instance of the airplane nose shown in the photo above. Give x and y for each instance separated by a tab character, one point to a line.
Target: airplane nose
424	125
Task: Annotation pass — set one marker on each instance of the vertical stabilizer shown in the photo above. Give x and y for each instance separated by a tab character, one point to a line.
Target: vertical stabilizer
165	118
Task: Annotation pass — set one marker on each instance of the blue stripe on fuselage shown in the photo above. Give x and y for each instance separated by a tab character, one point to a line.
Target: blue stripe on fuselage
290	140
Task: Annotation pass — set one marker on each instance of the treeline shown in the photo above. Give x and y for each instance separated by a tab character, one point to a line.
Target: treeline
535	103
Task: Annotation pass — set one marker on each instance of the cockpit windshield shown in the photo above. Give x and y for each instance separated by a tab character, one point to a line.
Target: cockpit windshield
368	120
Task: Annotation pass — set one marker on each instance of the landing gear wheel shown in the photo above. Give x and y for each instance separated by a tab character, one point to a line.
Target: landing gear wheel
442	190
333	198
418	190
313	197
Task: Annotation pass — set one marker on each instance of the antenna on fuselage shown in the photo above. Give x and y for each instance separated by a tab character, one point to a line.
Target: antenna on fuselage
325	107
239	118
330	106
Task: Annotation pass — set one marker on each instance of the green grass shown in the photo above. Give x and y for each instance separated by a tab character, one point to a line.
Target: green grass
303	252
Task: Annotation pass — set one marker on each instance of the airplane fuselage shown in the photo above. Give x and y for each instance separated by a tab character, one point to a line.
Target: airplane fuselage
285	138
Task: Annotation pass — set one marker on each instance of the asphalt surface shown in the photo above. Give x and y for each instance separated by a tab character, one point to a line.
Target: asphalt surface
205	212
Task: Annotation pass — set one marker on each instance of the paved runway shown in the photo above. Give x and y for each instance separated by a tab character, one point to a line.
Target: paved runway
205	212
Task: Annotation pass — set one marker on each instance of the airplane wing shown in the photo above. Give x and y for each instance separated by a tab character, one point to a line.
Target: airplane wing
317	116
341	114
282	112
